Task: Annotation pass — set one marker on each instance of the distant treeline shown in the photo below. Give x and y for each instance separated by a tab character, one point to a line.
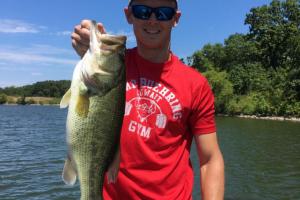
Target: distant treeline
40	89
257	73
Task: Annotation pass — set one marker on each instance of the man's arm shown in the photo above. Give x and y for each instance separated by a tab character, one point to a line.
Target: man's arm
211	166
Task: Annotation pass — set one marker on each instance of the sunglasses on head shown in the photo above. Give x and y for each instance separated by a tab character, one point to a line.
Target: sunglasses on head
161	13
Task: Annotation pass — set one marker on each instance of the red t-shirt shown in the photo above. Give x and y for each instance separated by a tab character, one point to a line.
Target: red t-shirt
166	104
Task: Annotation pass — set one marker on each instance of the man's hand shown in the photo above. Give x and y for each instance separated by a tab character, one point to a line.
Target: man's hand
113	169
81	36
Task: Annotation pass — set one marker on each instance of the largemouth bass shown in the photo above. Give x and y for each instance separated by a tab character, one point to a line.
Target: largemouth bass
96	103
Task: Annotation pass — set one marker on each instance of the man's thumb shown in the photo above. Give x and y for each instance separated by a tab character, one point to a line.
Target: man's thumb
101	28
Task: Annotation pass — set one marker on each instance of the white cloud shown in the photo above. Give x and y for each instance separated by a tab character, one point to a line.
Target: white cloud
18	26
44	49
36	54
27	58
63	33
21	26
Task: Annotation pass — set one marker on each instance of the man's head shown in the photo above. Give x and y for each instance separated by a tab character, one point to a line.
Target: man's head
152	21
130	2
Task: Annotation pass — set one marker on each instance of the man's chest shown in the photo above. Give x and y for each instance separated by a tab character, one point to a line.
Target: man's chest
153	108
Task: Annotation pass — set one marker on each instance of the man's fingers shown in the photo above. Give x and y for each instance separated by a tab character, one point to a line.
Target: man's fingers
85	23
82	35
101	28
79	47
112	177
112	173
109	177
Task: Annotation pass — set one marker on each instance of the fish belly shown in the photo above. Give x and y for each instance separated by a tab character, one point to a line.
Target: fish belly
94	139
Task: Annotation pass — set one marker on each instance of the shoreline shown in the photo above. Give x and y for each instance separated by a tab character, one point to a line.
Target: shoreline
274	118
33	104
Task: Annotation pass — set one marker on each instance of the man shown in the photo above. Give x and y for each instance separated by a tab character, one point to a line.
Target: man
167	105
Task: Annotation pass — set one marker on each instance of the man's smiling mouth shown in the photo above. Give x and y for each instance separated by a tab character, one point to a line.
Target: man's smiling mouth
152	31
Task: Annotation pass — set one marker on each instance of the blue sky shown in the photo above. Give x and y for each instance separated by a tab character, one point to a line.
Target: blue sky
35	34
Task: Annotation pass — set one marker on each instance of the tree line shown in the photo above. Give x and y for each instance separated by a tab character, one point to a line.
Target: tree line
40	89
257	73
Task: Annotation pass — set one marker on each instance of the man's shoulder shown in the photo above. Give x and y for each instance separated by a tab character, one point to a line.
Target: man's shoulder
130	51
188	73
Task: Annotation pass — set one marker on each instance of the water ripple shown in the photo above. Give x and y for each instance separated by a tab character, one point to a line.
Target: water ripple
262	157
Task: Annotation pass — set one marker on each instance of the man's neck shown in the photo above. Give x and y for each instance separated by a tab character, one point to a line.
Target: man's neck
155	55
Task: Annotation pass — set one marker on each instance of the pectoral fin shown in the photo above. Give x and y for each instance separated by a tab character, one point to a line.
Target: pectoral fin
69	172
83	102
65	99
82	105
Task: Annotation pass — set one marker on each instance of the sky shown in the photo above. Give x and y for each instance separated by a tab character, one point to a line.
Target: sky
35	42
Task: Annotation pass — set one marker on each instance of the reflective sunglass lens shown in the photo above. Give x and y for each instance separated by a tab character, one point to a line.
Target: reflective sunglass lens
164	13
141	12
161	13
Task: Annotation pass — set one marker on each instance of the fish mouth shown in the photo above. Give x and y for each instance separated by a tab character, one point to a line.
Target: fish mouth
111	43
112	39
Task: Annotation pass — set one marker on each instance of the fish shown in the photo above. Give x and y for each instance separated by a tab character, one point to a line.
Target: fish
96	103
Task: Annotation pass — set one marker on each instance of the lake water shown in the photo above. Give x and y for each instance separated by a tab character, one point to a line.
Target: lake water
262	158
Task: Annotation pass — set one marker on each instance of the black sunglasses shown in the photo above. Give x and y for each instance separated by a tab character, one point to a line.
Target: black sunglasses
161	13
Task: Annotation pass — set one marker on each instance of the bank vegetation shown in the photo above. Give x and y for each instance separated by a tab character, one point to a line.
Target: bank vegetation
257	73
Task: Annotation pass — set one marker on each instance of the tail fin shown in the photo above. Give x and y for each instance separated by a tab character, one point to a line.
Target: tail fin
69	172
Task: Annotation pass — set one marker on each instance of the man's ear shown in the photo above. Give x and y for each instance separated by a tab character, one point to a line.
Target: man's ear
128	15
177	17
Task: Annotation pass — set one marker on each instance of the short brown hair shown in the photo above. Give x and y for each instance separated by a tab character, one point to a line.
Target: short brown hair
130	1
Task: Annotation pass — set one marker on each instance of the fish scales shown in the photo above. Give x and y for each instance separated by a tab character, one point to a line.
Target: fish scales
96	103
91	145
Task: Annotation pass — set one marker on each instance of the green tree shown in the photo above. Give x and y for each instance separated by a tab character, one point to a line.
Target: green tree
239	49
21	100
249	77
30	101
44	89
222	88
210	57
3	98
273	27
262	66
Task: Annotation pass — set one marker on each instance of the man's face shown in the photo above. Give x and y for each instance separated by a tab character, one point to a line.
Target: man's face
152	33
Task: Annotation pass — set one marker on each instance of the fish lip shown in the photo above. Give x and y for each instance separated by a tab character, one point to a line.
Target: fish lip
112	39
111	43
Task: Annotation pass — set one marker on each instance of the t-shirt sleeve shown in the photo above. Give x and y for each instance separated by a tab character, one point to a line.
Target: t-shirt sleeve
202	118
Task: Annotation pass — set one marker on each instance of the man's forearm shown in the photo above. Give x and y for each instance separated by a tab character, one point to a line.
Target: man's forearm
212	179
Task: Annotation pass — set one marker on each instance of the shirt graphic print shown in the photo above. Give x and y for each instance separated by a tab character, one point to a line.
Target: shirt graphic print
147	106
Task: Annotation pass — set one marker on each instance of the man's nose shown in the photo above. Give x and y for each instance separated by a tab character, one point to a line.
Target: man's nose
152	18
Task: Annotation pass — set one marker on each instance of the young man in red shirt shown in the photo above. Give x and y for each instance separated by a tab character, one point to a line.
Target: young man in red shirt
167	105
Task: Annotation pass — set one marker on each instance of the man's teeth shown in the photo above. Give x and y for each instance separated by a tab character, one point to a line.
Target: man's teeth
152	31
